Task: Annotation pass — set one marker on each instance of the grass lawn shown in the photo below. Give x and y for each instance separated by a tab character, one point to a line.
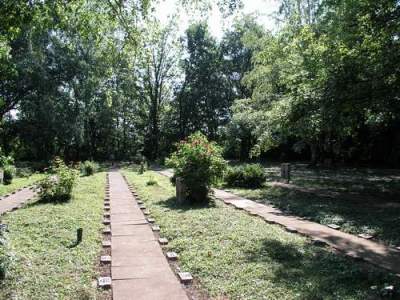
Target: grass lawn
18	183
45	263
237	256
360	201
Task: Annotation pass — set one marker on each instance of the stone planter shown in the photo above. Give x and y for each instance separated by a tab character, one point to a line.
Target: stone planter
181	190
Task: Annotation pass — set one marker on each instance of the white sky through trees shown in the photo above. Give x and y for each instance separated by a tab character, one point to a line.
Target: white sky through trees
263	9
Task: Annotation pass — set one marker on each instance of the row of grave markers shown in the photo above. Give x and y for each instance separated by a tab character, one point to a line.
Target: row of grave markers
106	281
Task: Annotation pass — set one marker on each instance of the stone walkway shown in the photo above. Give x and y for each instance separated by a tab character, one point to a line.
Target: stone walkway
351	245
15	200
139	269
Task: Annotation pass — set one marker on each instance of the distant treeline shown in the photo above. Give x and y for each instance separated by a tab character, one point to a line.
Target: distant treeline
90	79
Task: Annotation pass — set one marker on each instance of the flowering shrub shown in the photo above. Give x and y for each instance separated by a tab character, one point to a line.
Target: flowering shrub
199	163
57	186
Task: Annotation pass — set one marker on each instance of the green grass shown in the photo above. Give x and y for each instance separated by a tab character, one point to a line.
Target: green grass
18	183
238	256
45	264
360	201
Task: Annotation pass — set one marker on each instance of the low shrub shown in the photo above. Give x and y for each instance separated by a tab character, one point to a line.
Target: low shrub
39	166
89	167
199	163
57	187
151	181
9	173
142	167
249	175
5	160
23	172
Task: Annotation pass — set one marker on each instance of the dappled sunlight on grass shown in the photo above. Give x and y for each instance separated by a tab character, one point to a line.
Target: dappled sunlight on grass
346	198
242	257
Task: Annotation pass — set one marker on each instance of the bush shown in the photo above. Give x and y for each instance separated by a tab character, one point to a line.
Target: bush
89	168
9	173
57	187
249	175
199	163
151	181
5	160
142	167
23	172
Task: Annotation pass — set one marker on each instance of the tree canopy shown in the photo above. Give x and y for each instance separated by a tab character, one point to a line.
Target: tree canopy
106	80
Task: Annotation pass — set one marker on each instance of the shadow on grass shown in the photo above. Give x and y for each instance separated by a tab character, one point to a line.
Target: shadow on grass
172	203
315	273
41	201
353	216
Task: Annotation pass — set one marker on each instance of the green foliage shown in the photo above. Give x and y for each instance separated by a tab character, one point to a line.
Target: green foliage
57	186
248	175
326	79
199	163
6	160
142	167
9	173
151	181
89	167
23	172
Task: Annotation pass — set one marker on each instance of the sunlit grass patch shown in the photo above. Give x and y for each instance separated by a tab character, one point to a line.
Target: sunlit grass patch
46	263
19	182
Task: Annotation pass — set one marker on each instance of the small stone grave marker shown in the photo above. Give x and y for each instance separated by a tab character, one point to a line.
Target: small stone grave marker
163	241
180	190
388	291
365	236
106	215
105	259
146	213
155	228
107	230
185	277
106	244
142	206
79	235
318	242
285	172
172	256
140	202
104	282
291	229
150	220
106	221
334	226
